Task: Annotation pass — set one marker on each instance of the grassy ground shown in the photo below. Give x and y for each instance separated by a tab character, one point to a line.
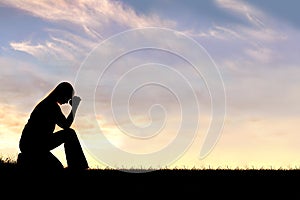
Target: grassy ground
240	183
9	168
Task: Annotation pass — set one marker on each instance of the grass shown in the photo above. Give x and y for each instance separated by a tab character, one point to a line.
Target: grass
139	177
8	165
149	181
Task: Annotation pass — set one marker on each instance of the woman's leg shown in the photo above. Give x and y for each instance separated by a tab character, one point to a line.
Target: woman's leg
35	154
73	151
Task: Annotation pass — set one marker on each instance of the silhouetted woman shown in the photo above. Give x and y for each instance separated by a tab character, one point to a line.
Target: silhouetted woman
38	137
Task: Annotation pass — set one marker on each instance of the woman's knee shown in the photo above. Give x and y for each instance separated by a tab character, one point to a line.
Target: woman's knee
71	133
70	130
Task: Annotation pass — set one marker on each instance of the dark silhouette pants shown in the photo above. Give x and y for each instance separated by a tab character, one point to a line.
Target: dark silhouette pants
40	150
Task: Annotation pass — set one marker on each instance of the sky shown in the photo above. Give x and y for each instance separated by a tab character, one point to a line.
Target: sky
164	83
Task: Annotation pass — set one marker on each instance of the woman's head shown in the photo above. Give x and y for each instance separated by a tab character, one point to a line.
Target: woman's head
63	92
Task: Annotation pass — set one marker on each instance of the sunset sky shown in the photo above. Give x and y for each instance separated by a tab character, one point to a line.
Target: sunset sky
244	104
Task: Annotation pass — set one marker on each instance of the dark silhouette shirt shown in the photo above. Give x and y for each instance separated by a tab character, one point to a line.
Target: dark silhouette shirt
41	123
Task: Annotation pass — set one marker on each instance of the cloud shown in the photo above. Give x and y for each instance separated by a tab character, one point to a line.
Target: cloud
57	49
257	51
61	45
242	9
80	26
257	61
263	55
89	14
35	50
281	10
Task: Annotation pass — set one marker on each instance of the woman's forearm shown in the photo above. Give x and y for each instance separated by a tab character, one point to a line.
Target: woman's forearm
71	116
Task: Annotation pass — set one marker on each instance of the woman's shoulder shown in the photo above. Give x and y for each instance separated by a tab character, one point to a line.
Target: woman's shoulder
47	105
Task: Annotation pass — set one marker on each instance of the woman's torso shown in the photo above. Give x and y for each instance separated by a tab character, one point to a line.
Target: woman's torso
41	123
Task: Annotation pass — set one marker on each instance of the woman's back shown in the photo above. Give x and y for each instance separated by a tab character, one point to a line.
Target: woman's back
41	123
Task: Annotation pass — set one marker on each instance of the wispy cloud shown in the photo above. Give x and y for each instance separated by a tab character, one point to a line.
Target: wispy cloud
258	63
61	45
57	49
35	50
89	14
260	41
91	21
241	8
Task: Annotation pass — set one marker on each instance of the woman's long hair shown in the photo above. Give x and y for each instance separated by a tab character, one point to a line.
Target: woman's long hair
62	89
